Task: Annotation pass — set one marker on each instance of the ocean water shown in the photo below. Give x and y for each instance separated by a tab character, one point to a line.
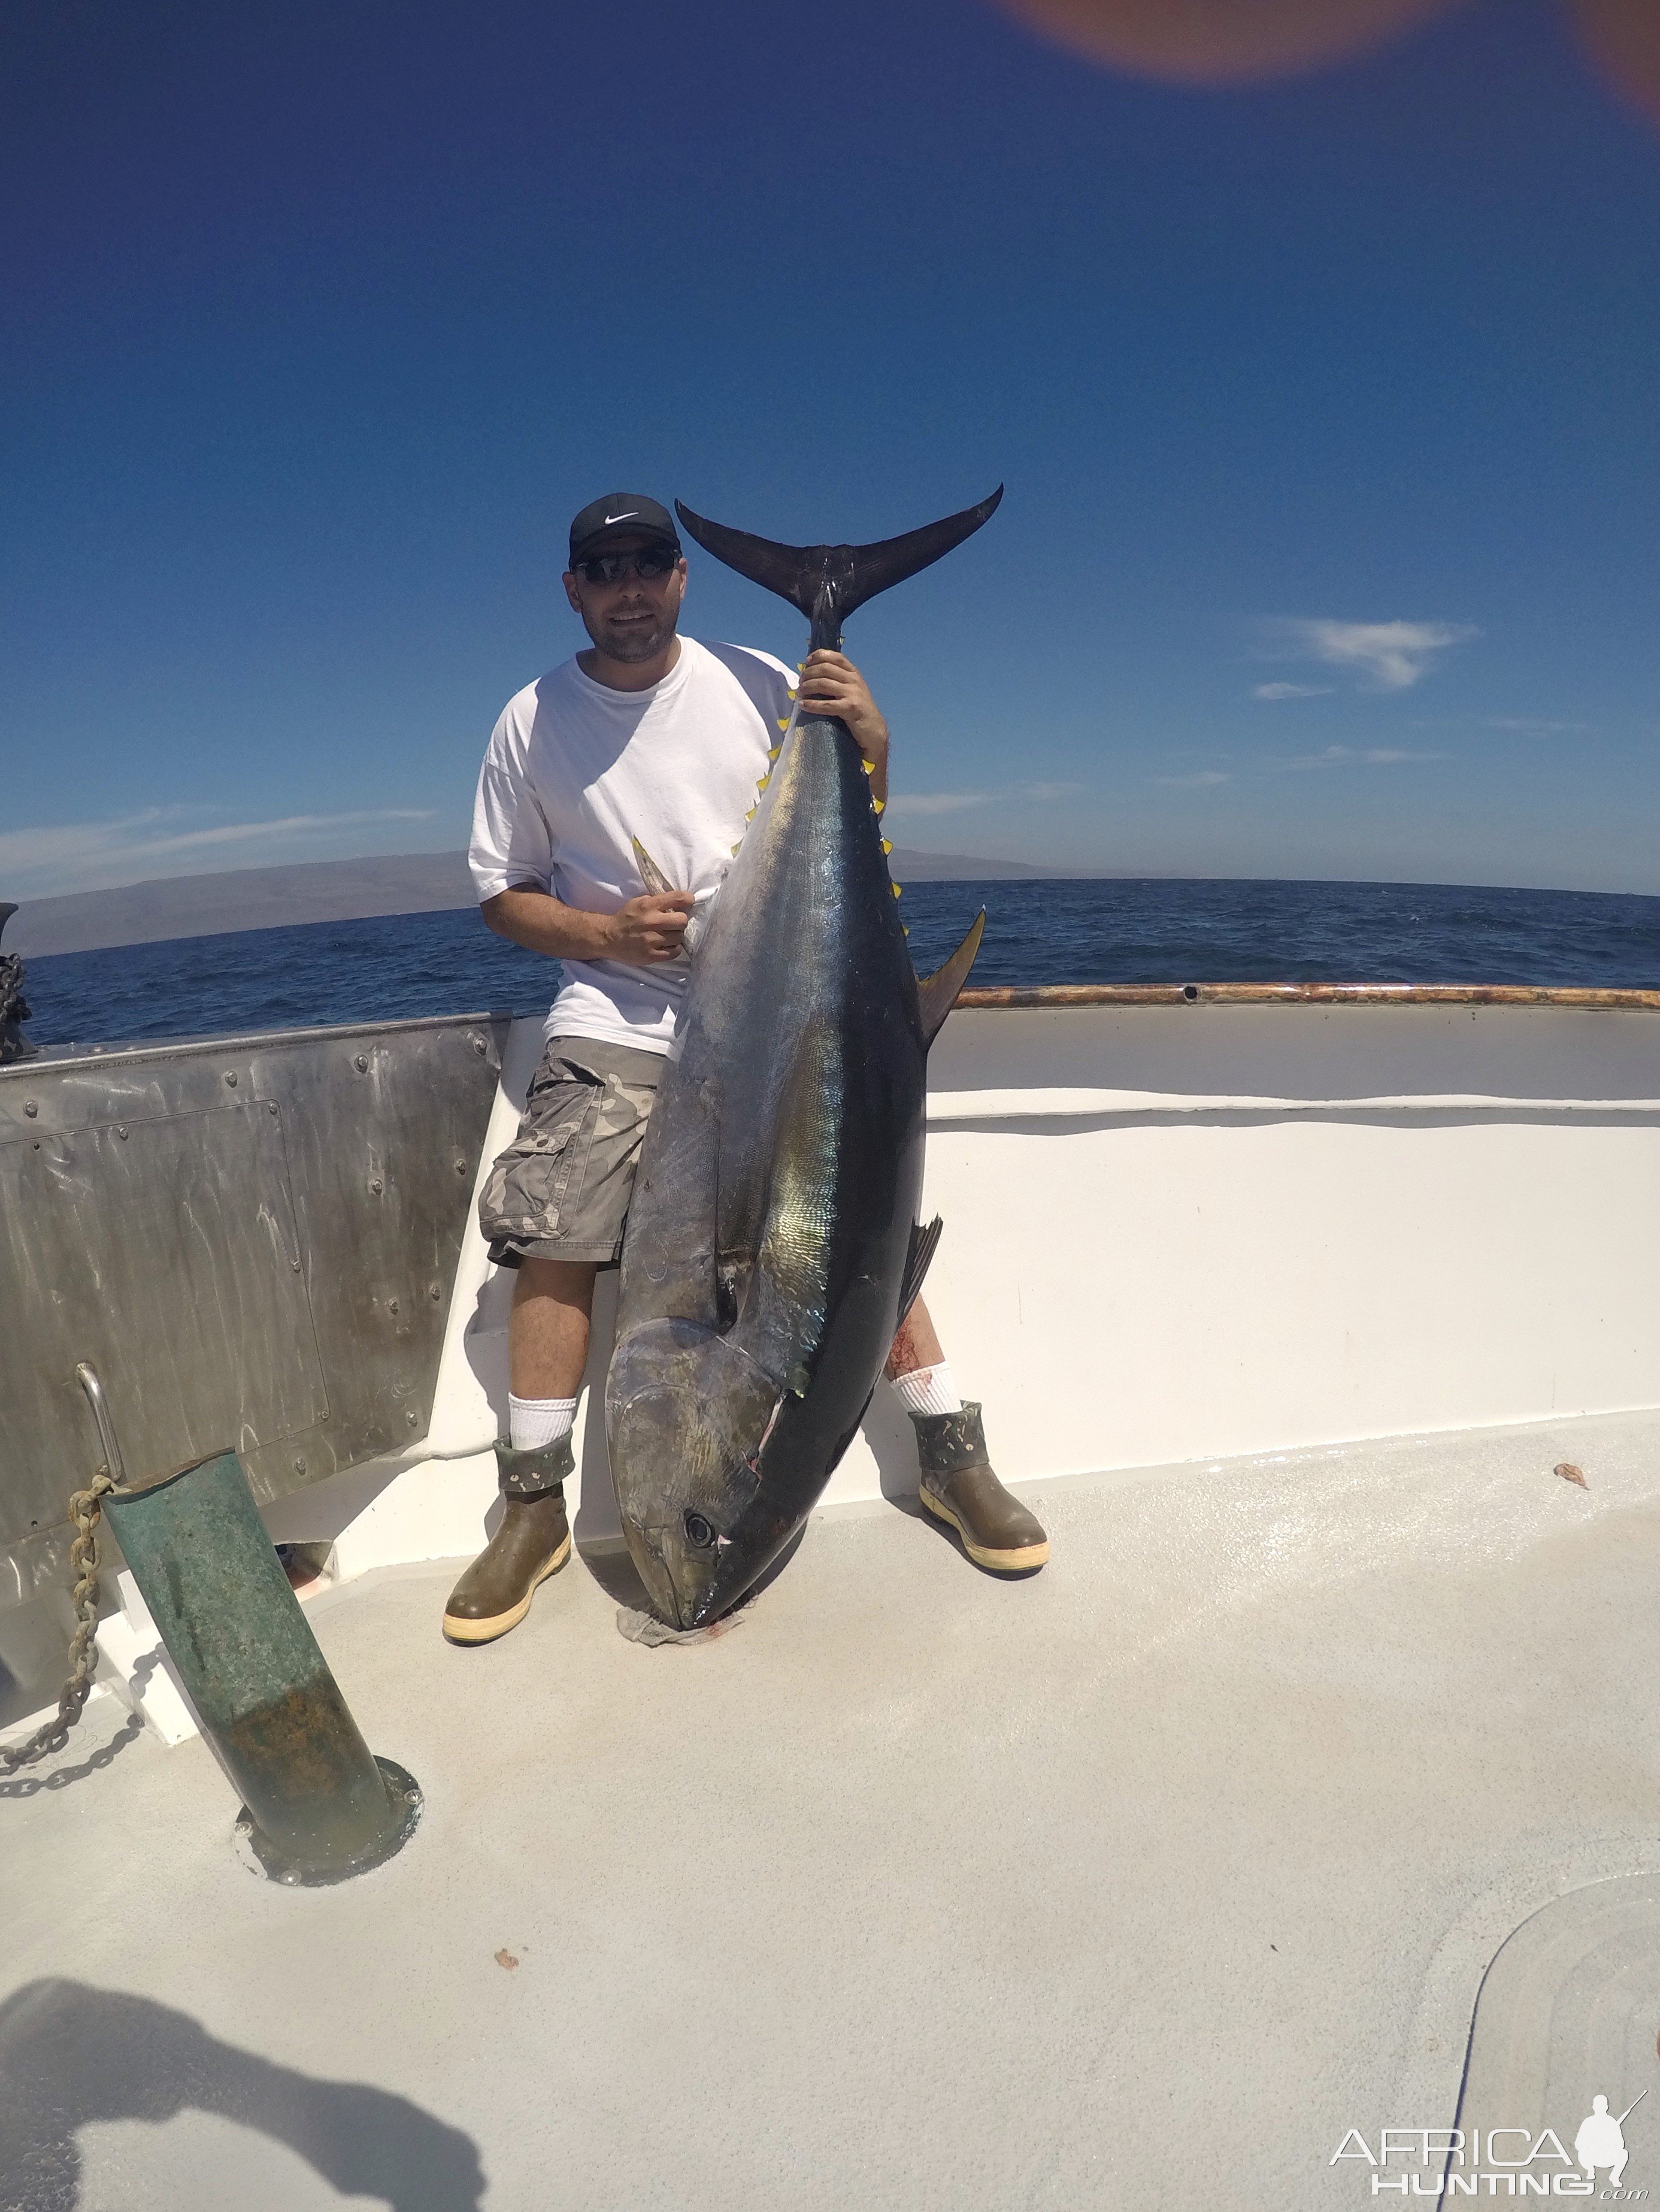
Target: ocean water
1059	931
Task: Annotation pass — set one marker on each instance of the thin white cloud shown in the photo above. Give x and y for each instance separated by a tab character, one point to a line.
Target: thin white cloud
1292	690
1527	726
1356	756
935	802
102	855
919	804
1388	656
1198	780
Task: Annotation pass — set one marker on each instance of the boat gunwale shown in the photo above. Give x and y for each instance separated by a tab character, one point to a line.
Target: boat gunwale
989	998
55	1059
1584	998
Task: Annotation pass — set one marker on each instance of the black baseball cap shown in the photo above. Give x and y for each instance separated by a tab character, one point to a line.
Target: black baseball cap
619	514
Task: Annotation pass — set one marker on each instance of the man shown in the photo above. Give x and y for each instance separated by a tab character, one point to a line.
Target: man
646	734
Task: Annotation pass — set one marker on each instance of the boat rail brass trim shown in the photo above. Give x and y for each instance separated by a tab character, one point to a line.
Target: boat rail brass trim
1583	999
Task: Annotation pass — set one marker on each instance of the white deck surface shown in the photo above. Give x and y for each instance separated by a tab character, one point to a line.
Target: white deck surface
1137	1883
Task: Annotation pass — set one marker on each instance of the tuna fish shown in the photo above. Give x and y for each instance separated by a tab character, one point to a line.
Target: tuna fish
773	1244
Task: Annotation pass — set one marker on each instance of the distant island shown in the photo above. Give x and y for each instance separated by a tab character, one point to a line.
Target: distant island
322	891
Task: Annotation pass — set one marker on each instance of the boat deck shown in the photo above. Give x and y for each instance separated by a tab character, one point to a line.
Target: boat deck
1141	1881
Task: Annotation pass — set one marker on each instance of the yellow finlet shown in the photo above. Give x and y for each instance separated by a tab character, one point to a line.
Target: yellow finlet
784	722
773	751
870	767
749	817
887	845
878	805
764	780
896	889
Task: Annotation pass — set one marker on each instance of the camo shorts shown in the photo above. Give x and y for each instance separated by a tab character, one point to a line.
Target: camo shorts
560	1190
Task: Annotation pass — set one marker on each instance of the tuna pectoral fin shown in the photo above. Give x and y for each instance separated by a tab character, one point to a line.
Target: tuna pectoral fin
649	874
851	573
697	921
937	992
924	1244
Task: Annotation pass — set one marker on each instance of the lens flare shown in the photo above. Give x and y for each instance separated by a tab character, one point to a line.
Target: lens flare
1228	42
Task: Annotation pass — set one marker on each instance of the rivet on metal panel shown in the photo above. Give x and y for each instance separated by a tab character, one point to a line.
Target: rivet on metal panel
391	1305
294	1264
299	1466
271	1108
360	1062
435	1291
376	1185
230	1076
413	1418
30	1108
461	1167
122	1135
477	1044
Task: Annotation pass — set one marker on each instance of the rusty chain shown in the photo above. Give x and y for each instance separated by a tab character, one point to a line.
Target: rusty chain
86	1510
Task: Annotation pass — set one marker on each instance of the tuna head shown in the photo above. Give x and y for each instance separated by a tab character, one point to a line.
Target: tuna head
687	1414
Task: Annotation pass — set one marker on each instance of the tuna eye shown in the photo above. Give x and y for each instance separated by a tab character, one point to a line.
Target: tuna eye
700	1532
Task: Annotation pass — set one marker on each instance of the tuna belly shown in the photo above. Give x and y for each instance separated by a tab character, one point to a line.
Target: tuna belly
825	1329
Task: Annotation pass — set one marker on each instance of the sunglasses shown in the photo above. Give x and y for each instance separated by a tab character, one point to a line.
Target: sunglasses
649	567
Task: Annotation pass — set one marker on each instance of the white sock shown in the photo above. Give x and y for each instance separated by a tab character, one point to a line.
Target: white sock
534	1422
929	1390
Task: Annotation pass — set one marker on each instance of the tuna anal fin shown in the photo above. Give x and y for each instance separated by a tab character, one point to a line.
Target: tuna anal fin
649	874
924	1242
938	993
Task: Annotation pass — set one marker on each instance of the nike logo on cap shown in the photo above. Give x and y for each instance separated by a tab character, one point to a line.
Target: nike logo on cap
628	517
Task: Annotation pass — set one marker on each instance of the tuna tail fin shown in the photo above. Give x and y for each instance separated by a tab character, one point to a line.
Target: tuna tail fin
826	582
938	993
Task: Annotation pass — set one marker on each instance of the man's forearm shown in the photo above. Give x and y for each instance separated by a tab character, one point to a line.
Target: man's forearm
544	924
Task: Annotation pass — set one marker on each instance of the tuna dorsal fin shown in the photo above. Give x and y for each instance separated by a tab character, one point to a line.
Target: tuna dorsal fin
938	993
649	874
826	582
924	1242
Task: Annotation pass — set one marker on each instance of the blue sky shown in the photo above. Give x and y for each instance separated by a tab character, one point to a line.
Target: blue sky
1328	412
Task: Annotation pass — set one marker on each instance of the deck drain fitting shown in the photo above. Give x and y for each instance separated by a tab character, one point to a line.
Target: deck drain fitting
1191	993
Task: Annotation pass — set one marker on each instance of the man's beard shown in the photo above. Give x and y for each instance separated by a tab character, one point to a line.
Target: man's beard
632	641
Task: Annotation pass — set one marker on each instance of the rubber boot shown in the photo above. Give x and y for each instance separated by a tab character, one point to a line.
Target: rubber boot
959	1487
533	1542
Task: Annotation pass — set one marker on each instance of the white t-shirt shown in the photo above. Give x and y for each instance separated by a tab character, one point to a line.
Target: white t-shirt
575	771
